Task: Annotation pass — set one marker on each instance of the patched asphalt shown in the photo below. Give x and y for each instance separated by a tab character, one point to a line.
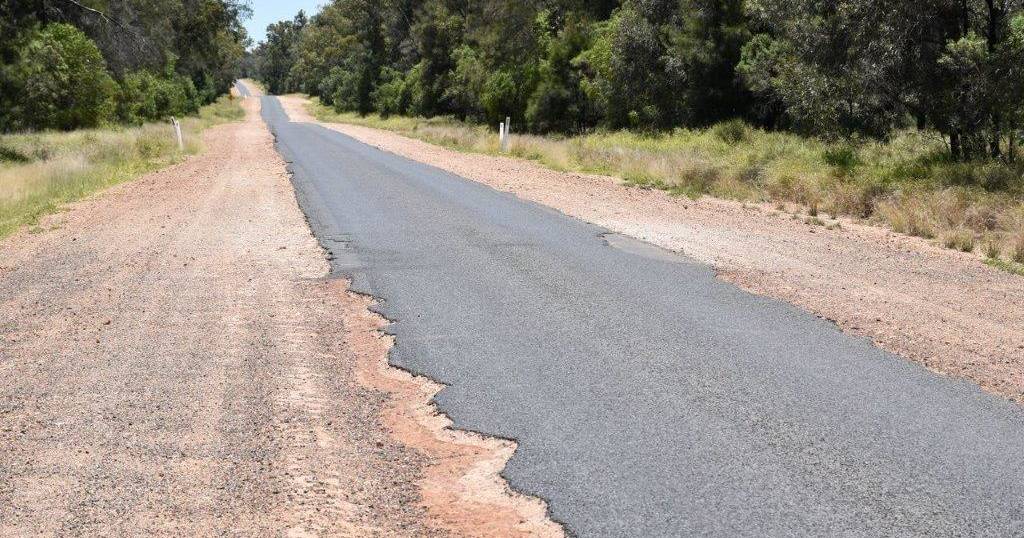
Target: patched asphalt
649	398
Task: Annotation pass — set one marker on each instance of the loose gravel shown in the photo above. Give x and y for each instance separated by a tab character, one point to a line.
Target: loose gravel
172	363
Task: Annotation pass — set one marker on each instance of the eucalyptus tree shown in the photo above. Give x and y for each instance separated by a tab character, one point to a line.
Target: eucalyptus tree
868	67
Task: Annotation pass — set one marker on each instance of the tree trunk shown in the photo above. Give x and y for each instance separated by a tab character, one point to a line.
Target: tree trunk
995	143
993	25
965	19
1013	143
955	149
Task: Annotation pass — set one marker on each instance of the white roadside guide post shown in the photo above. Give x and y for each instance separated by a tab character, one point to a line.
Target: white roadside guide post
508	134
504	133
177	133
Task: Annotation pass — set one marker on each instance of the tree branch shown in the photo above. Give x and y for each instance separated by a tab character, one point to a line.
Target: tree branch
111	20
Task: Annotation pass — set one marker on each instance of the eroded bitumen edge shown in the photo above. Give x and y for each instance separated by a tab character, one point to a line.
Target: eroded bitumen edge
642	248
345	265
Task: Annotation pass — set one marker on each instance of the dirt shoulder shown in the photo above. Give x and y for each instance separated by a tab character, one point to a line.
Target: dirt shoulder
940	308
172	362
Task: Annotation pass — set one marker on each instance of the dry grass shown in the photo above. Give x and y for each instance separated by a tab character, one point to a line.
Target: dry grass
1017	249
906	183
960	239
40	172
993	249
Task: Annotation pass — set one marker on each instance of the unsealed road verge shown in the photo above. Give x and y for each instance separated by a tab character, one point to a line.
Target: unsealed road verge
173	362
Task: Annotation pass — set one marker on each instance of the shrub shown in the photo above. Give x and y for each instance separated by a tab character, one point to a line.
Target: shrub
732	131
63	81
502	97
552	108
144	96
393	96
176	96
342	85
12	155
843	157
466	83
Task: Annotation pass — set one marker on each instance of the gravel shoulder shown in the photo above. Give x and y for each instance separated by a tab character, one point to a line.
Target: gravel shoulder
171	363
940	308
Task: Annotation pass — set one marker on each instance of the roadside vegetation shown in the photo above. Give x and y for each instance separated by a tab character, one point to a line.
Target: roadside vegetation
40	172
86	89
901	114
67	65
908	183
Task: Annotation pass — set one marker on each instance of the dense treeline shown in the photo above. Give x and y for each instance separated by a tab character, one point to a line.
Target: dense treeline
849	68
67	64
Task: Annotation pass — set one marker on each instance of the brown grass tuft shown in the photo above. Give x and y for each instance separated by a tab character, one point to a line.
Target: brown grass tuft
1017	249
960	239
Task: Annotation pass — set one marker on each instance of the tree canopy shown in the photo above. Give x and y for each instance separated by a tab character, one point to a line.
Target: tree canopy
79	63
850	68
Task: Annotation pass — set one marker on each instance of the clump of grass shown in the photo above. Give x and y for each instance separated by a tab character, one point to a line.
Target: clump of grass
908	215
732	131
1003	265
225	109
990	176
12	155
959	239
814	221
843	158
993	250
61	167
813	209
1017	249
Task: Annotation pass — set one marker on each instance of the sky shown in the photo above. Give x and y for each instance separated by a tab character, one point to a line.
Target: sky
267	12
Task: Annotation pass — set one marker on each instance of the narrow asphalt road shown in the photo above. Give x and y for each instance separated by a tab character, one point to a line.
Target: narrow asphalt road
649	398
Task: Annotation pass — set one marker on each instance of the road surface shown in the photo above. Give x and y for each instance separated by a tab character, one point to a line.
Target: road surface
649	398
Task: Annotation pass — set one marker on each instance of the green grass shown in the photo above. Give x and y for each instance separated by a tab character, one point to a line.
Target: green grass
907	183
223	110
41	172
1009	267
